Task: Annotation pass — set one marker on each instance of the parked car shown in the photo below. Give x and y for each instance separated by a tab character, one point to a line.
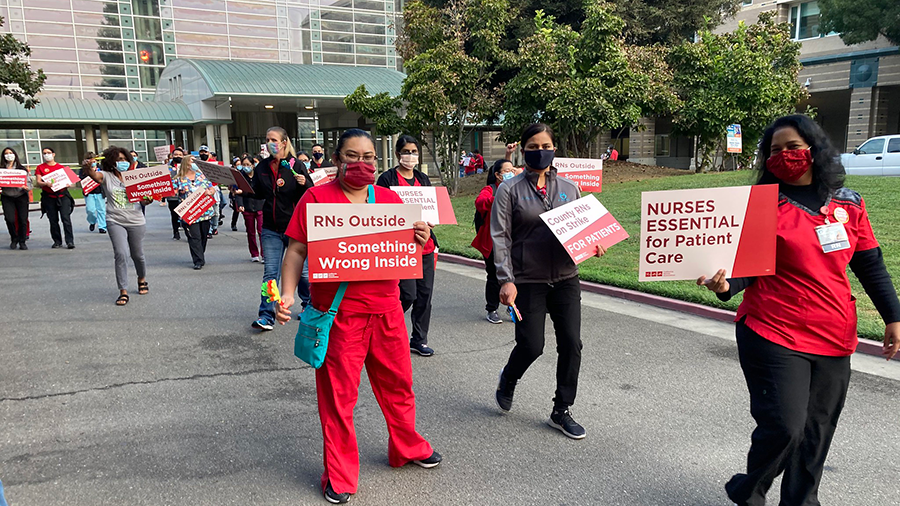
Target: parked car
878	156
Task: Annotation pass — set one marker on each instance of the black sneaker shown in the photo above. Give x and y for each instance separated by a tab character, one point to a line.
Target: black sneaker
562	420
56	245
505	391
102	230
494	318
13	245
92	227
176	237
430	462
333	497
234	229
421	349
22	245
70	246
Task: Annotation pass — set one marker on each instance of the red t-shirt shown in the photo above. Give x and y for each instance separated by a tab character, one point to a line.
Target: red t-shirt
807	306
44	169
371	297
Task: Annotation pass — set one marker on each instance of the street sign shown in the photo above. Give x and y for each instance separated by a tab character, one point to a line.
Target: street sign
734	143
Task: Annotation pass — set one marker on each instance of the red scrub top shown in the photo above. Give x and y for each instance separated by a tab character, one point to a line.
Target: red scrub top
807	305
371	297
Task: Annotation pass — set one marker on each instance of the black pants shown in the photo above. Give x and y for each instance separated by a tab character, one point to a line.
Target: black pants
491	286
416	294
60	207
197	235
176	220
15	211
796	399
234	218
562	301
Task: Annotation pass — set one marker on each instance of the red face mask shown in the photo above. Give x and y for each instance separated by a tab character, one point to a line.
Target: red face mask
359	174
790	164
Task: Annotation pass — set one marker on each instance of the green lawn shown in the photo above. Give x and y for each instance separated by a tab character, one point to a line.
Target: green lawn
74	191
619	267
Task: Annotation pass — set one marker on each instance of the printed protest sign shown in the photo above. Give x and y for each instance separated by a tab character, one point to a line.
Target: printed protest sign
88	185
197	203
153	182
320	177
581	225
734	142
686	234
162	152
363	242
435	202
587	173
13	178
60	178
223	175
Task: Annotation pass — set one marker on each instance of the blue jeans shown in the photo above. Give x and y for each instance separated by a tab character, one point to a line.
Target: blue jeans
2	497
273	245
95	207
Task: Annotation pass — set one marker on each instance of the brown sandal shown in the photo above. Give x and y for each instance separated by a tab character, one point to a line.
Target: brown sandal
122	300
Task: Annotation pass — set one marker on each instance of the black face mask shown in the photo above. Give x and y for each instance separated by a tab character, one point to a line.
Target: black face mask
176	160
204	157
318	156
539	159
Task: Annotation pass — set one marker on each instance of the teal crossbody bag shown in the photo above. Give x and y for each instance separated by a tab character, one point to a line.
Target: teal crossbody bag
311	342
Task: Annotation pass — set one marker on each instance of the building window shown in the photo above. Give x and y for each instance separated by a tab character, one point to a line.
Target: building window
663	145
805	21
145	7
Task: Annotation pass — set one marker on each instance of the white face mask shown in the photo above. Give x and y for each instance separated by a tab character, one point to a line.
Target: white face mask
9	157
409	161
48	157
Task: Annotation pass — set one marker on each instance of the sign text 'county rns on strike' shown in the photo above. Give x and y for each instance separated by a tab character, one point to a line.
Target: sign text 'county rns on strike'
581	225
13	178
586	173
152	182
435	202
197	203
686	234
363	242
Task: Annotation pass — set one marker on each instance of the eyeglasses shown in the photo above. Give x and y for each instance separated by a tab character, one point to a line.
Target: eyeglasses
352	158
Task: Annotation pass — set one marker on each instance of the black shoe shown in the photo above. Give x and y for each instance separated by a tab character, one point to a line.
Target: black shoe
197	267
56	245
22	245
430	462
176	237
562	419
234	229
13	245
421	349
494	318
92	227
70	246
505	391
102	230
333	497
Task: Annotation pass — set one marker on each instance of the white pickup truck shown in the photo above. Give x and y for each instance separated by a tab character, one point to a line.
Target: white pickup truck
878	156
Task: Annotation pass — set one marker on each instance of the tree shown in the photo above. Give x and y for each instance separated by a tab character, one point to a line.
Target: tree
861	20
748	76
451	54
670	21
17	80
583	83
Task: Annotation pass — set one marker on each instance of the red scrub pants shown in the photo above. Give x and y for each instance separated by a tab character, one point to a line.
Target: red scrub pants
379	341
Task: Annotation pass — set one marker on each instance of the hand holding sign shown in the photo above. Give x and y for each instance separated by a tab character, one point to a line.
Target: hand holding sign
585	228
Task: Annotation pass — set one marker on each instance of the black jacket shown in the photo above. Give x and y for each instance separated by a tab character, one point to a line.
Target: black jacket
250	204
278	201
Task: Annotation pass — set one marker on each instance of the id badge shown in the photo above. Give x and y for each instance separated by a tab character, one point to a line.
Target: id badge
833	237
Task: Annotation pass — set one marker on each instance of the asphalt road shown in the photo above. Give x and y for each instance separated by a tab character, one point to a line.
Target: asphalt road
173	399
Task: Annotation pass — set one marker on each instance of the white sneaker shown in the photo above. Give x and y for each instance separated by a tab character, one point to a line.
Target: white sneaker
254	259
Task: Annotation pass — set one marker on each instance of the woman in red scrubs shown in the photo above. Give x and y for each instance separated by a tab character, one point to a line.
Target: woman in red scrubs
369	329
796	329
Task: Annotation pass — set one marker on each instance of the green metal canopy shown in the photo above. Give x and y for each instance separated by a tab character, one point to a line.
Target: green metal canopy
58	111
294	80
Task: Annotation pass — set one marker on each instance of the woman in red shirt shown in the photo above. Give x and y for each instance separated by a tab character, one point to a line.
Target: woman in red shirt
501	170
369	329
796	329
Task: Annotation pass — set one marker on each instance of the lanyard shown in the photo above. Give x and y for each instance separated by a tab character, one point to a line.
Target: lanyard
548	205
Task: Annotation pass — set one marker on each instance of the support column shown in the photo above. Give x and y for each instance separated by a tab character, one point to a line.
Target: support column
169	137
211	137
642	143
384	153
880	99
197	139
90	138
104	137
859	122
79	144
225	154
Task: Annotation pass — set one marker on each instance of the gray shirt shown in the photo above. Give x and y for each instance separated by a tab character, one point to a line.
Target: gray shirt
118	209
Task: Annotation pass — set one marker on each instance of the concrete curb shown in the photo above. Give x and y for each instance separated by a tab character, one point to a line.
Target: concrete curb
866	346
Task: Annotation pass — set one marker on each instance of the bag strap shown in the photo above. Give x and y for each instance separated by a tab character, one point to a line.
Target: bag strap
339	296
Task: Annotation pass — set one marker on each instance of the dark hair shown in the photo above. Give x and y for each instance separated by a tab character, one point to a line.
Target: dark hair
111	156
534	129
18	164
317	144
351	133
827	171
87	160
403	140
304	153
177	149
48	148
132	151
495	169
476	152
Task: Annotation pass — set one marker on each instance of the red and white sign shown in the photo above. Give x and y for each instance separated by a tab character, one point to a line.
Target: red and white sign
219	174
435	202
162	152
581	225
686	234
586	173
60	178
153	182
320	177
194	206
363	242
13	178
88	185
